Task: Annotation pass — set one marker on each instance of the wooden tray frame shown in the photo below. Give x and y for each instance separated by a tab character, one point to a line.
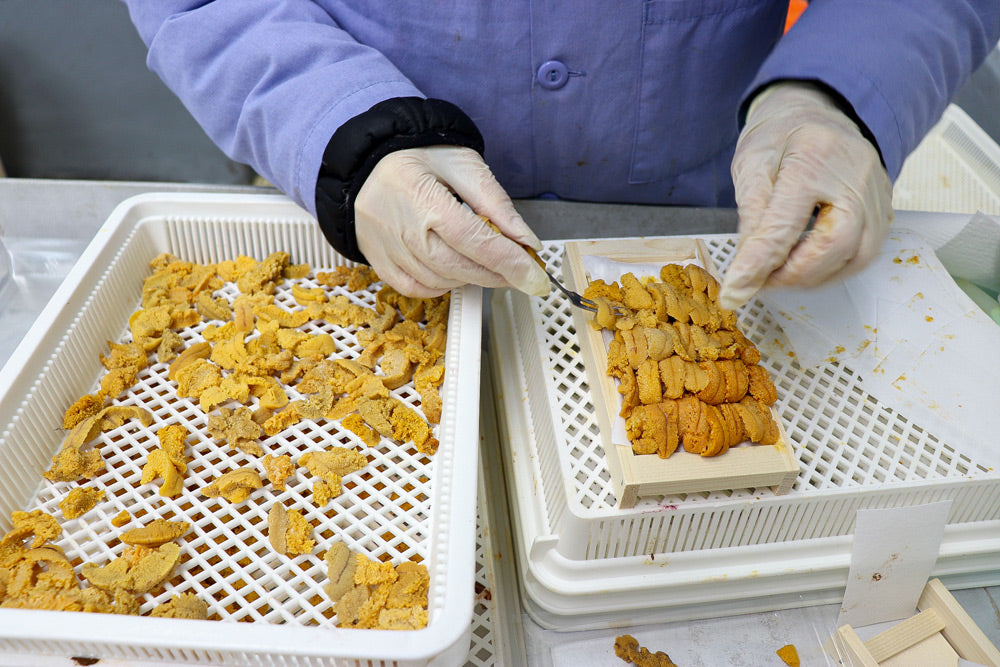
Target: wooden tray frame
634	475
939	635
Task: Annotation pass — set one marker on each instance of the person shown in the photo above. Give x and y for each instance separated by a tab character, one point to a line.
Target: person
401	125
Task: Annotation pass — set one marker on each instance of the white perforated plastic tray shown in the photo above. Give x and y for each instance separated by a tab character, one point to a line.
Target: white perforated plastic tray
586	563
955	169
402	506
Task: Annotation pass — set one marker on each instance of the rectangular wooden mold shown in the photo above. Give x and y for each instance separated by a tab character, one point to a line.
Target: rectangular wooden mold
939	635
634	475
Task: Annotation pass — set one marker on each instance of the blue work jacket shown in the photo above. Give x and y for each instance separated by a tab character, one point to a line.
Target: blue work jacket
630	101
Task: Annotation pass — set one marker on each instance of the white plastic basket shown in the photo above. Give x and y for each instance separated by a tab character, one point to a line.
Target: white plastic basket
585	563
402	506
955	169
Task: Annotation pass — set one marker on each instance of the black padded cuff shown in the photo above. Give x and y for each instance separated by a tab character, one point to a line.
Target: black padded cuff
357	146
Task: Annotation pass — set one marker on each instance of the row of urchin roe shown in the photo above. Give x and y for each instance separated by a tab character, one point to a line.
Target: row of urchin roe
687	375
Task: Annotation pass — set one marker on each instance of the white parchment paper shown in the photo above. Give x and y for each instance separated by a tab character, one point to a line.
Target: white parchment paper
919	344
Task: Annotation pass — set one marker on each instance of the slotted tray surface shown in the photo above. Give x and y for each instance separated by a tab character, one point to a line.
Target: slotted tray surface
400	507
383	511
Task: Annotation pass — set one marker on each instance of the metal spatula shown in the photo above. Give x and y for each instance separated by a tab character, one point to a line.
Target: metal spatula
576	299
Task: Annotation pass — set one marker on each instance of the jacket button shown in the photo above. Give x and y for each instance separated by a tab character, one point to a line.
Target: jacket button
552	75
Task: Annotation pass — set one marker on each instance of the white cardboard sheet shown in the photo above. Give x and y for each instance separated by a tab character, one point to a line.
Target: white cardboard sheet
894	552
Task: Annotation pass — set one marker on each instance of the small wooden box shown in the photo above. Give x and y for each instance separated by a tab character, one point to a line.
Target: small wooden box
634	475
939	635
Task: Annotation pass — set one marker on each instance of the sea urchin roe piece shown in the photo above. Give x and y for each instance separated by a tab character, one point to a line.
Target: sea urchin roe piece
408	425
114	416
278	469
42	527
426	380
316	406
288	339
397	369
332	464
373	572
277	527
410	588
212	309
243	315
265	275
231	269
403	618
297	271
79	501
138	570
87	405
322	493
279	421
170	342
95	600
40	578
318	345
270	392
611	291
356	278
183	605
627	648
348	606
121	519
70	462
235	486
354	423
149	323
306	295
606	315
238	429
195	377
284	318
340	565
117	380
326	373
789	655
155	533
298	534
168	461
125	355
376	413
191	353
288	531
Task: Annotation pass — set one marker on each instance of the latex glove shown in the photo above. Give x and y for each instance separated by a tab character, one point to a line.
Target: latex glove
796	152
421	240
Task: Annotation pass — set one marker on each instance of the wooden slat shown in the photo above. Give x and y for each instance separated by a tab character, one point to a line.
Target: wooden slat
903	635
969	641
848	648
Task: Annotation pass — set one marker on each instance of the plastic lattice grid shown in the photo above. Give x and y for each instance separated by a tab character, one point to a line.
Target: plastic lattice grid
876	444
227	561
482	648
